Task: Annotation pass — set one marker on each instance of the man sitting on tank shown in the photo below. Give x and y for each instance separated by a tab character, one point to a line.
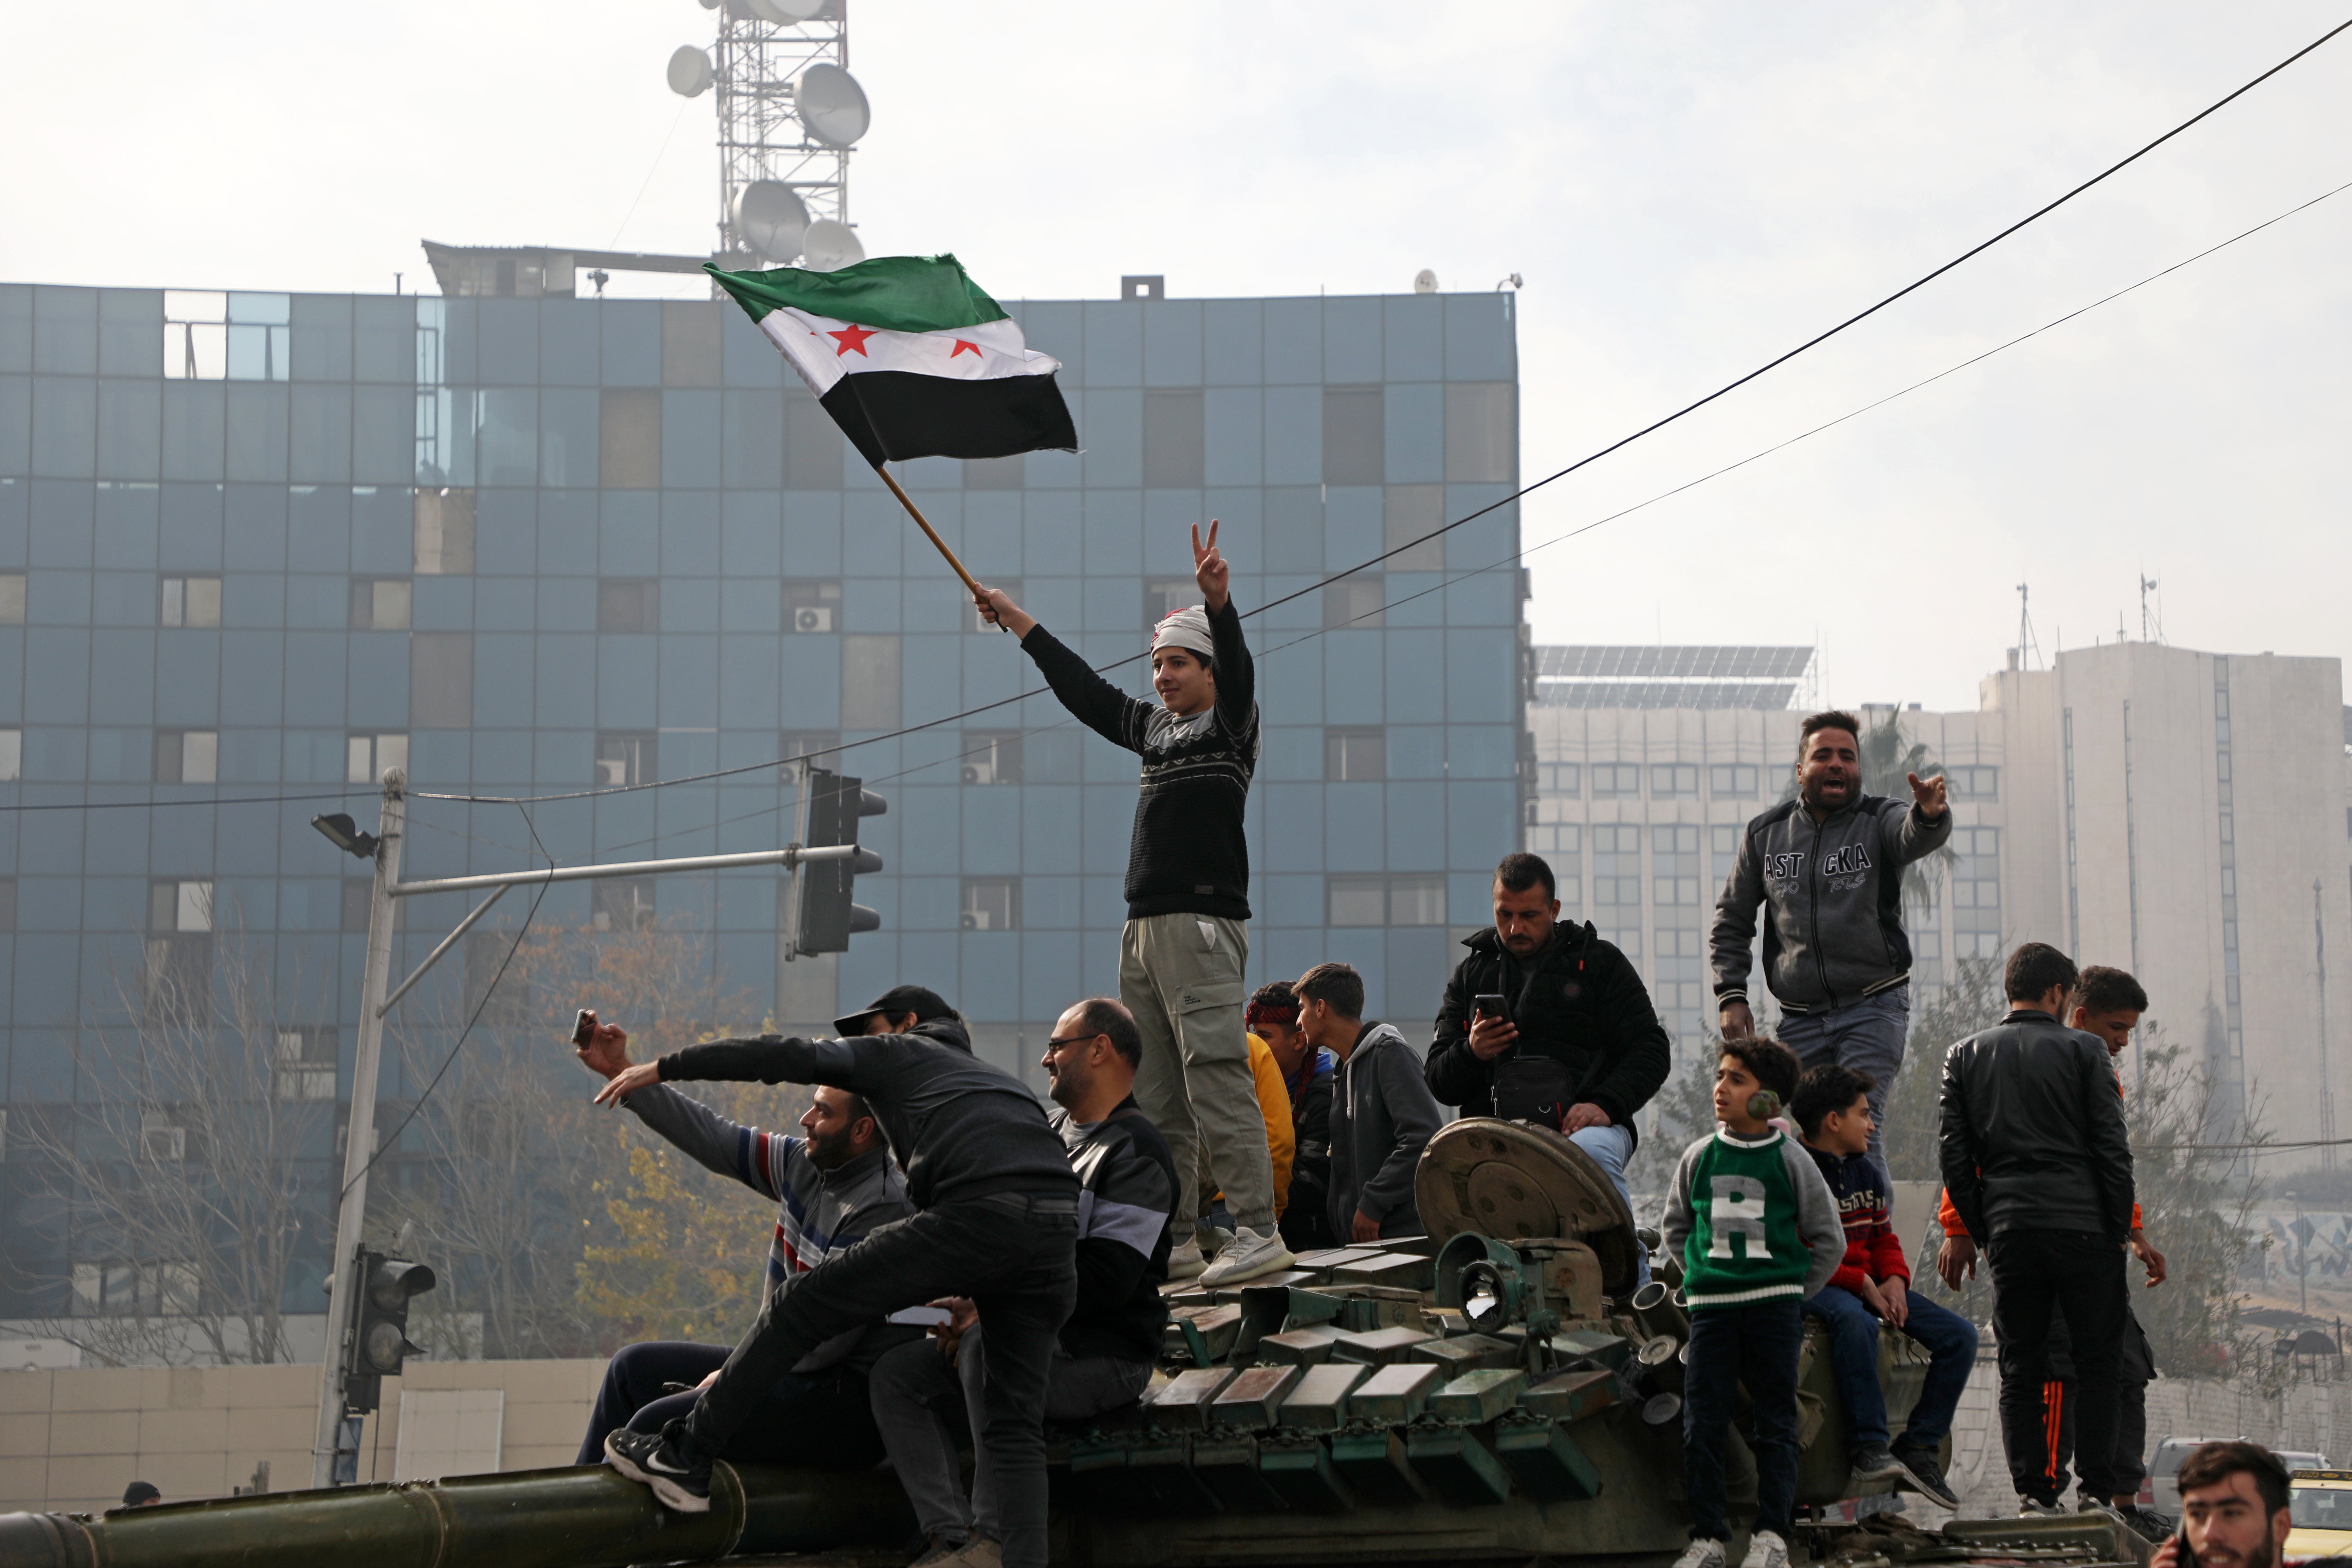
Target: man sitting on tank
1566	1035
831	1188
1102	1359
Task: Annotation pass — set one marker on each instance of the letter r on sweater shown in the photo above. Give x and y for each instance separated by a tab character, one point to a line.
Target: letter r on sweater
1737	1210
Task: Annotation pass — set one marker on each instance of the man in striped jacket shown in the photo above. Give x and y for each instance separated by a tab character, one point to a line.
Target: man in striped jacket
1102	1358
831	1188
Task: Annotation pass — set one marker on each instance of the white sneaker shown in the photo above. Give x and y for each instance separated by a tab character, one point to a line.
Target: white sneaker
1701	1553
1248	1255
1184	1261
1766	1550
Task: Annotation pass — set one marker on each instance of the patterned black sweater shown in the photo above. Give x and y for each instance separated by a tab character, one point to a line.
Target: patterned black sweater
1187	855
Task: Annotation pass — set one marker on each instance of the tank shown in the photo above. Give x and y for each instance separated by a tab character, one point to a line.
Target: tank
1498	1388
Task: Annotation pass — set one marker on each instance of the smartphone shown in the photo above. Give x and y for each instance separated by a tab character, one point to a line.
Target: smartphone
922	1317
583	1029
2182	1555
1491	1004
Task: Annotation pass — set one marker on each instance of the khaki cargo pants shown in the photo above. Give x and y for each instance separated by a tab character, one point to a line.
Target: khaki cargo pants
1181	976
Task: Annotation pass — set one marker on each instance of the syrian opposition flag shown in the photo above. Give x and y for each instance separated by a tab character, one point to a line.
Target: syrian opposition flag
909	358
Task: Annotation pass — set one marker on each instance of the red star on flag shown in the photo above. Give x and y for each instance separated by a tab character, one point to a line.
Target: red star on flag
852	337
962	346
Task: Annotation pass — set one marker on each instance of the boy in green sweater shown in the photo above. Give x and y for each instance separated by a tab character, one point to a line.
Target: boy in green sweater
1757	1232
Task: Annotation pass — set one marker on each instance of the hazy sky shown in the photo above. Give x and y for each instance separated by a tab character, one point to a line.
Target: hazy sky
1688	191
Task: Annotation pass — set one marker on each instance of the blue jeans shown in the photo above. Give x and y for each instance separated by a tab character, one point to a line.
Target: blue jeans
1951	1342
1756	1344
1866	1035
1610	1147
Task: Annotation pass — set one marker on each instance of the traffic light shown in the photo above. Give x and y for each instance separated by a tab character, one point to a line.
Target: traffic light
827	917
380	1341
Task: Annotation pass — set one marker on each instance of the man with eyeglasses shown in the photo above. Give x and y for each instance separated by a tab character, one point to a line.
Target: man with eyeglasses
1102	1360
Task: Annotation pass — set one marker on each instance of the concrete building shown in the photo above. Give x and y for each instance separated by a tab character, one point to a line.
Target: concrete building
2094	807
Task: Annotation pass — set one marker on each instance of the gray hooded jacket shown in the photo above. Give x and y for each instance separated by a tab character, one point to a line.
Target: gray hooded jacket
1382	1116
1835	895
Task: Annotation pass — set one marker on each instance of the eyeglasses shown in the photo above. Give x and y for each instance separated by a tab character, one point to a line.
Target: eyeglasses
1053	1044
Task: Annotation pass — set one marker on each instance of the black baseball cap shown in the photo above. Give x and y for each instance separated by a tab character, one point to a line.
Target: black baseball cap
924	1003
139	1493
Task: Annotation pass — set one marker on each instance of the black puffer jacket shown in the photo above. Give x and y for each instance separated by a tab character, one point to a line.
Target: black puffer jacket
1580	1001
2033	1135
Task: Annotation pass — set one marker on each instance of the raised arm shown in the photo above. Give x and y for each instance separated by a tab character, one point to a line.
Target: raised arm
1924	828
1092	701
1237	676
726	1147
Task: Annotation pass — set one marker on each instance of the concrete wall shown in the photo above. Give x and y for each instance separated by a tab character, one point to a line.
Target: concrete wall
73	1439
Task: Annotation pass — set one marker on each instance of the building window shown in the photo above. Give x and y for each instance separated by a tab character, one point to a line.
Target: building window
1616	781
1163	597
1408	512
496	991
1011	588
1973	781
1173	449
365	757
1561	778
818	745
179	951
1417	900
445	532
1481	431
179	907
869	682
1617	868
621	903
191	601
812	605
625	758
1674	781
7	903
1976	890
629	439
380	603
1562	843
1354	602
992	904
995	473
1355	757
1355	442
1731	781
441	680
12	755
359	899
1677	968
813	446
187	756
627	604
12	598
1368	900
1723	845
992	757
1675	874
306	1064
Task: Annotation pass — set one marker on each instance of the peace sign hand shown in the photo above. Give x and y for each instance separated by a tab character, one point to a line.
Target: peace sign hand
1210	568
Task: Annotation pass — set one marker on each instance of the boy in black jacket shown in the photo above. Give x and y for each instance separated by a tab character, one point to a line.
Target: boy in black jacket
1186	941
996	1219
1104	1356
1577	1045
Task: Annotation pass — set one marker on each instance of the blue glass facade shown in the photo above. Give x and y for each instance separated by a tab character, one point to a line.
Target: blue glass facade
266	543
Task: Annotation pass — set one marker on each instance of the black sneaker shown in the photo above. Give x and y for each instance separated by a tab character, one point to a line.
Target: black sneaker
1923	1475
2145	1522
667	1461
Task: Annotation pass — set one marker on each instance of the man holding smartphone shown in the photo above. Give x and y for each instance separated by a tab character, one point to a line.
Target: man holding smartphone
2234	1509
1546	1022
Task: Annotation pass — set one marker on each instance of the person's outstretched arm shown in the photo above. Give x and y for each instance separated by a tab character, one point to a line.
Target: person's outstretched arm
1092	701
712	1140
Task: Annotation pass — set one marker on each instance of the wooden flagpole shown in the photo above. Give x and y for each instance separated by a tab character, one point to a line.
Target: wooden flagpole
928	531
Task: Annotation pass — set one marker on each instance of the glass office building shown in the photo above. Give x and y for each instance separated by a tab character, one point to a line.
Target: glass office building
260	545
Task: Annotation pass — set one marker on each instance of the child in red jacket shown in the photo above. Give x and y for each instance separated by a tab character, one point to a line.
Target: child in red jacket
1873	1287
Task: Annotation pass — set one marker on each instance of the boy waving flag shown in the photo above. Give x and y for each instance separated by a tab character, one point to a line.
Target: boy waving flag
910	358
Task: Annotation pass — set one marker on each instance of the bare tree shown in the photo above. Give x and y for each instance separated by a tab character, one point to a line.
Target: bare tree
508	1166
183	1181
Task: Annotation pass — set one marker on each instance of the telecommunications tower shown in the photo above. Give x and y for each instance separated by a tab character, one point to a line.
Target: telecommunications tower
789	112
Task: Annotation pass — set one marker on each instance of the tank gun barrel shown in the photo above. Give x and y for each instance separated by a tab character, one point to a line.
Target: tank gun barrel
583	1516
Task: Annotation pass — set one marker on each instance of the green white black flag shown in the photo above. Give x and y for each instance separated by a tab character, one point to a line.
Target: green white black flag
910	358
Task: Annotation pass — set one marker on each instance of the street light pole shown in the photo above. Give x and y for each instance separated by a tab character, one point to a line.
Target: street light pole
359	1136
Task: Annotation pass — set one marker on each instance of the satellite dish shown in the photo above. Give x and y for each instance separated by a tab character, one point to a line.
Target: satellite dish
690	72
1424	281
782	13
828	247
831	104
771	219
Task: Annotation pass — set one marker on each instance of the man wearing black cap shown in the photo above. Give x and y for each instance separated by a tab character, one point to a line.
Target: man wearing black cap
140	1494
996	1221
